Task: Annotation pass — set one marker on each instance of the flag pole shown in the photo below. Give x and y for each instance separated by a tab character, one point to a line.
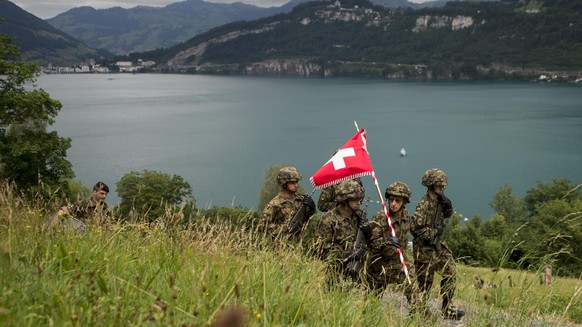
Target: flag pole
392	232
404	268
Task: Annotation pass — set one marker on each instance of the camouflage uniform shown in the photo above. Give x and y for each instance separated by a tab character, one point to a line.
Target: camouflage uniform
383	264
90	211
335	237
326	201
280	210
335	233
431	254
277	215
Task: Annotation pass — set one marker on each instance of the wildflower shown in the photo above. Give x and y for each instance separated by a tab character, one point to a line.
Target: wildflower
258	315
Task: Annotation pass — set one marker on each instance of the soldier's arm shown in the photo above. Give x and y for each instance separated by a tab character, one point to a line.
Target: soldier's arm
420	227
267	217
377	235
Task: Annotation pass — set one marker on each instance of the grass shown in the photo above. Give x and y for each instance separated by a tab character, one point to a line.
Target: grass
208	273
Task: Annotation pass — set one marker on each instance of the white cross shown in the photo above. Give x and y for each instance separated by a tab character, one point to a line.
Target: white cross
338	158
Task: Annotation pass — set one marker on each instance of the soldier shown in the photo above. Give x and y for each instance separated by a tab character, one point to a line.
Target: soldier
430	252
336	232
383	262
326	201
93	209
279	212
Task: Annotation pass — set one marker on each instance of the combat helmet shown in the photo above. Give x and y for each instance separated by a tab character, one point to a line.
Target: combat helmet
288	174
434	177
349	190
399	189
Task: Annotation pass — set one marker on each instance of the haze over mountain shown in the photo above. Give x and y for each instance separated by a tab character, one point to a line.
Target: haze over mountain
142	28
40	41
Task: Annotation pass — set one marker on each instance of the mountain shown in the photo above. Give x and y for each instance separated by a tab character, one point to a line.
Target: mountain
462	40
143	28
41	42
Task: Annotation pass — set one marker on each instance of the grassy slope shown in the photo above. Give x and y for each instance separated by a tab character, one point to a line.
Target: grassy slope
163	274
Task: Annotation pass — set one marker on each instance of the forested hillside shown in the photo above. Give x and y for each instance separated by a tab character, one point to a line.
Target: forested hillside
463	40
41	42
143	28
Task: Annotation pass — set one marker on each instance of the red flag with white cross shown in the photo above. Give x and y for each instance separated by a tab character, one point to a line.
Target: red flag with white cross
350	161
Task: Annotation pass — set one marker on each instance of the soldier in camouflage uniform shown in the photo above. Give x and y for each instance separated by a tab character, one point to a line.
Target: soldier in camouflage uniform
92	210
326	201
335	233
431	254
278	213
383	264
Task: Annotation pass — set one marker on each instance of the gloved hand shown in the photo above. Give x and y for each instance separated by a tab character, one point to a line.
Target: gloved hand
308	201
446	205
393	241
439	228
362	217
367	230
444	202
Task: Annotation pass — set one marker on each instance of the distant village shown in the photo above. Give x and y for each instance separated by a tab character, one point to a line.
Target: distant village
92	67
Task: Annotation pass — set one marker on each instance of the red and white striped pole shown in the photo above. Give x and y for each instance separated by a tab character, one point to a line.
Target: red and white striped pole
404	268
392	232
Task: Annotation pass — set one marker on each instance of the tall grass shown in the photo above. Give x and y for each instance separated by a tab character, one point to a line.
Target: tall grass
212	273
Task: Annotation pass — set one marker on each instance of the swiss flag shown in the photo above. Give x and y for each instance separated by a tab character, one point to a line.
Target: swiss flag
350	161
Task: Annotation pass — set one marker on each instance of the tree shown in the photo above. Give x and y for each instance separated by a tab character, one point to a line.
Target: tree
150	193
29	154
554	235
508	205
557	189
270	187
465	240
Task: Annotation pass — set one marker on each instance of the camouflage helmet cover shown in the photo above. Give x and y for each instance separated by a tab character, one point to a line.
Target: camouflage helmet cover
434	177
399	189
349	190
288	174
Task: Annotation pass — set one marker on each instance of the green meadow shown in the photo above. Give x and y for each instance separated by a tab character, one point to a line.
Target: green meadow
211	273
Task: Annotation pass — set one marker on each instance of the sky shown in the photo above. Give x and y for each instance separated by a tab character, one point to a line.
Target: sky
50	8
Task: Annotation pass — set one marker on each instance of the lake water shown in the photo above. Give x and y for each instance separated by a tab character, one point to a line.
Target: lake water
221	133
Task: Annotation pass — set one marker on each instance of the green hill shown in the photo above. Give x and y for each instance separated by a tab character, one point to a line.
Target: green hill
144	28
206	273
462	40
41	42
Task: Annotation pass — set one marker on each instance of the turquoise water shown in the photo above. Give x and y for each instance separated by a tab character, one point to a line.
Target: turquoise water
221	133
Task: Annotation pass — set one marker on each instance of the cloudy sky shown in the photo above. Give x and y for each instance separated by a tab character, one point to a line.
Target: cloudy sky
50	8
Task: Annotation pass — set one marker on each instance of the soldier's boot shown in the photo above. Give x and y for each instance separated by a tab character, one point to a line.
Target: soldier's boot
447	292
453	313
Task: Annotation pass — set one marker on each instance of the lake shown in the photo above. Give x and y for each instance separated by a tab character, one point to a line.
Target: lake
220	133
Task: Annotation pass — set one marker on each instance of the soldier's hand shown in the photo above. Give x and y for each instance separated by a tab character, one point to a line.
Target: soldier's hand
362	219
393	241
439	228
444	202
308	201
367	230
